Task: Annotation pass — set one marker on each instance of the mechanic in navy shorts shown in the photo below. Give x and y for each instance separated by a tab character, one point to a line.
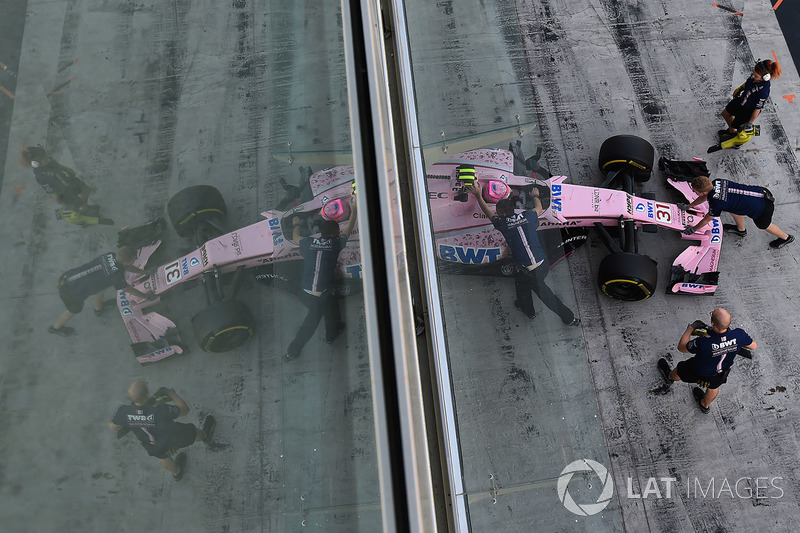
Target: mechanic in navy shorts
155	426
713	357
320	255
740	201
749	98
92	279
519	231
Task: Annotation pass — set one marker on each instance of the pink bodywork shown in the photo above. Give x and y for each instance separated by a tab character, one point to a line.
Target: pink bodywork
255	245
464	234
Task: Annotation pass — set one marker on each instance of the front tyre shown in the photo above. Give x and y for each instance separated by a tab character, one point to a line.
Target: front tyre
194	204
627	151
223	326
627	276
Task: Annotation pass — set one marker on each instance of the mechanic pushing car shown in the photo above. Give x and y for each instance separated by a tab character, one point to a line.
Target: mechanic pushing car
740	201
519	231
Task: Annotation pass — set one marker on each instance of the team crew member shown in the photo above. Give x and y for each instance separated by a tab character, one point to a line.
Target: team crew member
155	426
58	181
92	279
749	98
519	231
740	201
319	265
713	357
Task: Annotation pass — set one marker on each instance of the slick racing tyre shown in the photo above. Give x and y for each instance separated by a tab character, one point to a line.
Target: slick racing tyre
629	151
193	204
627	276
223	326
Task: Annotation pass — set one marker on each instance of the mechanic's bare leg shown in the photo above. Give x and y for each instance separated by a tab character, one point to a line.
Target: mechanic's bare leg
98	300
65	316
728	120
709	397
739	219
778	232
674	374
199	435
170	465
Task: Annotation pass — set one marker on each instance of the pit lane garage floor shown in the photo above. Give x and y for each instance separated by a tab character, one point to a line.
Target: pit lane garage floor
155	106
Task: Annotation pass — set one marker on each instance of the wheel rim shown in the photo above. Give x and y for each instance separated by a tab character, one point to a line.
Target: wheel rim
626	289
228	339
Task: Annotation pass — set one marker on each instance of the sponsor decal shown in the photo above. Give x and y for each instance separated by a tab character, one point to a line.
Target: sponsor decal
555	197
503	178
324	200
629	202
194	262
277	234
715	231
172	273
437	195
185	266
692	286
437	177
468	255
124	304
650	210
596	200
112	264
237	243
640	208
141	418
204	256
479	215
547	223
664	213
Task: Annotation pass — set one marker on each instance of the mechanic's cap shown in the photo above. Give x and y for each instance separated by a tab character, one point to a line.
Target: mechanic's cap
336	210
496	191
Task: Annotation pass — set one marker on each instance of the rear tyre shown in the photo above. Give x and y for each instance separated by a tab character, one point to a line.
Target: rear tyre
627	151
627	276
223	326
195	204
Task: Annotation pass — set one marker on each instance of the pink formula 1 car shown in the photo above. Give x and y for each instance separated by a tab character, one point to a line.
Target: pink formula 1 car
465	240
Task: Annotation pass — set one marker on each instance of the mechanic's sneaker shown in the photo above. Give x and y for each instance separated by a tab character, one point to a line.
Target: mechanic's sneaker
339	331
698	395
531	314
180	460
724	135
731	228
209	424
664	370
288	357
575	322
780	243
64	331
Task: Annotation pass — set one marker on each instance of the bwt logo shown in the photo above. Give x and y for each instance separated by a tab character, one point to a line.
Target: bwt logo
640	208
469	256
555	197
715	231
585	509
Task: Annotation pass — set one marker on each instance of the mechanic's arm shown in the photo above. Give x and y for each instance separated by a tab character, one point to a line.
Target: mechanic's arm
351	223
179	402
687	335
140	294
752	346
296	222
134	269
537	203
475	189
113	427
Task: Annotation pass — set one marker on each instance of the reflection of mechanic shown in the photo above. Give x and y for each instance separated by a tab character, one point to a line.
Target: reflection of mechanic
155	426
749	98
108	270
519	230
713	357
740	201
58	180
319	264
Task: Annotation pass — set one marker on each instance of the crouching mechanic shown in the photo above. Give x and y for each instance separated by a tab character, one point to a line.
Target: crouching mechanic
155	426
519	231
713	357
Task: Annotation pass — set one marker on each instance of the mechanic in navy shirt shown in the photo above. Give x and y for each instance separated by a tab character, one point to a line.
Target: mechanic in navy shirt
713	357
58	181
519	231
749	98
740	201
155	426
320	255
91	279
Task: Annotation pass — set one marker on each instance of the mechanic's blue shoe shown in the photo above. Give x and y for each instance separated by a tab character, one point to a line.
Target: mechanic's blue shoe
780	243
731	228
208	428
530	314
664	370
64	331
698	395
180	460
575	322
